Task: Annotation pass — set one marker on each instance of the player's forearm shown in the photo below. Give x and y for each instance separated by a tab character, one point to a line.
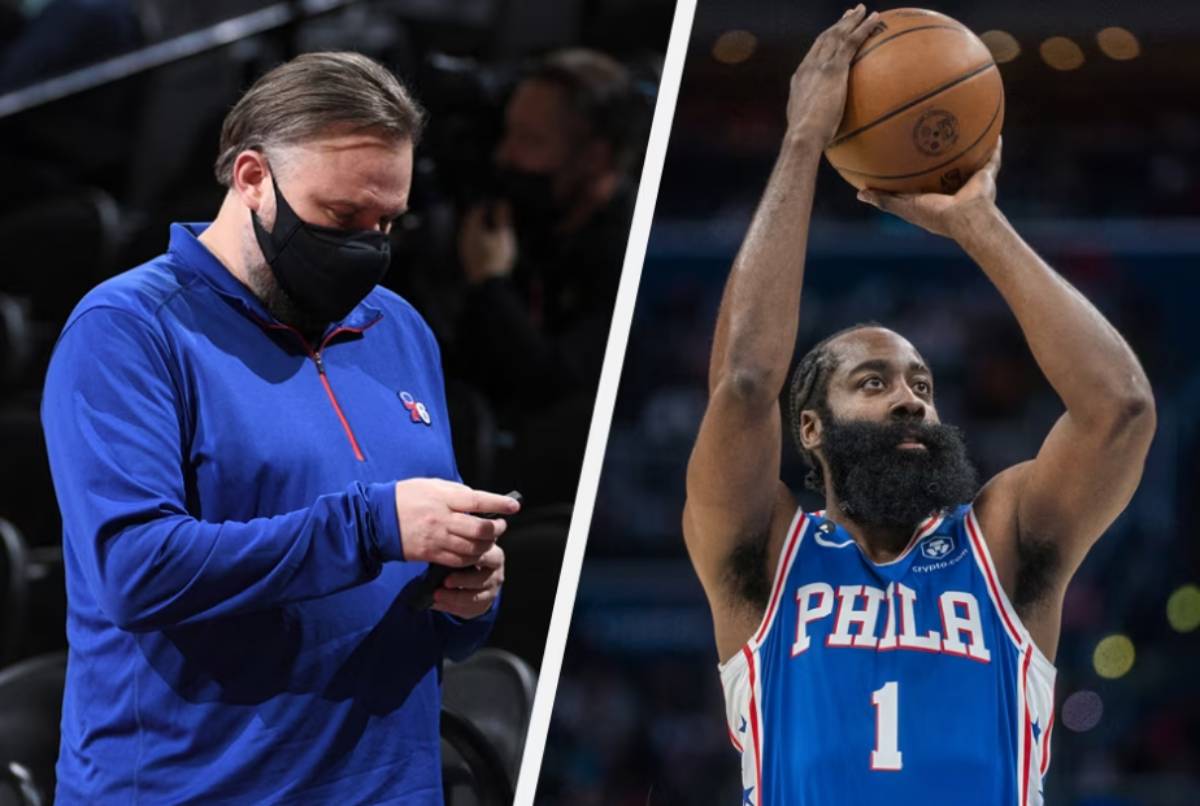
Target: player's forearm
1082	355
760	310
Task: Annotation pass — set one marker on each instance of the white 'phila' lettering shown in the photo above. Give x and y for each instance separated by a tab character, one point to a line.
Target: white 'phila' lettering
857	619
848	614
930	641
968	624
810	612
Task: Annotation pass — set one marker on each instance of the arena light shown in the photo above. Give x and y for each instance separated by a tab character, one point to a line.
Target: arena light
1113	656
1118	43
1002	44
1183	608
1061	53
1082	711
734	47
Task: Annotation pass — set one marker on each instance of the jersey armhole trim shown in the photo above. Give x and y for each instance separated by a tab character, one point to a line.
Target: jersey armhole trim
1017	633
787	556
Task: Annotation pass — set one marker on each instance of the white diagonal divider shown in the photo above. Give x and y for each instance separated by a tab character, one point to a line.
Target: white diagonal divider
610	377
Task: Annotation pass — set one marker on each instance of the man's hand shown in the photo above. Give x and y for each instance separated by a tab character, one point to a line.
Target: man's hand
487	244
470	592
436	524
939	213
817	99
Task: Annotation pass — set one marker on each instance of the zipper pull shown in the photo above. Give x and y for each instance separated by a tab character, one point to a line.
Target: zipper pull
320	363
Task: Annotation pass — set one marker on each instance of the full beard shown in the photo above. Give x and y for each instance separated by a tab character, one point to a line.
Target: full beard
277	301
878	484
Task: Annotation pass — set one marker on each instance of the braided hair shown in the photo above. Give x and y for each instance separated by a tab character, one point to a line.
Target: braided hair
809	389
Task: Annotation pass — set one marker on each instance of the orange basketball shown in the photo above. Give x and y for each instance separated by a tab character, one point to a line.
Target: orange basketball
924	106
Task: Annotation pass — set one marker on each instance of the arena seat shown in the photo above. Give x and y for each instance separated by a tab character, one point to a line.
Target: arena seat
14	591
487	701
30	710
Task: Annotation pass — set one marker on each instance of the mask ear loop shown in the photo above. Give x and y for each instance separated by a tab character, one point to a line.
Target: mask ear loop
280	203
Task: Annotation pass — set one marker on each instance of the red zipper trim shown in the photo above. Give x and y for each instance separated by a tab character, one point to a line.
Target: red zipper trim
358	454
315	355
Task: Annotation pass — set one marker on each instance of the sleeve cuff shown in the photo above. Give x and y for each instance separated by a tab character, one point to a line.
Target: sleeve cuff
381	504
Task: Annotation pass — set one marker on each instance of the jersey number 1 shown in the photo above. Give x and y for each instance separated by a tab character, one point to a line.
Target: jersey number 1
887	755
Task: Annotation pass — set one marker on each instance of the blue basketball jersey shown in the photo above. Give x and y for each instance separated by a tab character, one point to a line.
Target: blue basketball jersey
906	682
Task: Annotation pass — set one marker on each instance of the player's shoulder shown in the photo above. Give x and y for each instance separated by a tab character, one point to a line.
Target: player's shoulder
995	505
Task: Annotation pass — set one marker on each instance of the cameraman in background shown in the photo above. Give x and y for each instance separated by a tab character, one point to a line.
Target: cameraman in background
542	262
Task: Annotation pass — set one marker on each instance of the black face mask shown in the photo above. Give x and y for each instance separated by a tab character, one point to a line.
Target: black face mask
325	271
879	484
536	212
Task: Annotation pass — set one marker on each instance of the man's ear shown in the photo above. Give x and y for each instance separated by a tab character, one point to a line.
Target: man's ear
251	178
810	429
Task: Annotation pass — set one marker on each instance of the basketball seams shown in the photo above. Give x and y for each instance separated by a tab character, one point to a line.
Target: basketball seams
907	105
939	166
862	55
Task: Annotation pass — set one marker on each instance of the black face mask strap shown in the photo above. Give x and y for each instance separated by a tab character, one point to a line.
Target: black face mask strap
283	210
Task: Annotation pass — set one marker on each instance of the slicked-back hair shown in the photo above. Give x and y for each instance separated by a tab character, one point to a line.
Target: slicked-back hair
809	389
309	96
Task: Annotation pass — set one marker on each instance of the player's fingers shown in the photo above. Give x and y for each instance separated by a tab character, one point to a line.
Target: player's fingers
993	163
830	37
464	499
473	528
851	17
895	203
862	31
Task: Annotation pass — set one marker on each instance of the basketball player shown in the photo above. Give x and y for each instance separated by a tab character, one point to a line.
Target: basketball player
896	647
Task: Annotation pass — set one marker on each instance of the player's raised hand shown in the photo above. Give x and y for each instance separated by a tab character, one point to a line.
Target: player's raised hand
940	213
817	98
437	524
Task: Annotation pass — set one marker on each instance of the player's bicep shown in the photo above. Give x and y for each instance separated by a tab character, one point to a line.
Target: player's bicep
732	480
1082	479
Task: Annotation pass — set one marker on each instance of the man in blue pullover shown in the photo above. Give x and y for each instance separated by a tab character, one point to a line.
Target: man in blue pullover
251	451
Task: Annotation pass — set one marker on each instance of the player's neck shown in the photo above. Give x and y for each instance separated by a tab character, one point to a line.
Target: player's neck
222	239
880	544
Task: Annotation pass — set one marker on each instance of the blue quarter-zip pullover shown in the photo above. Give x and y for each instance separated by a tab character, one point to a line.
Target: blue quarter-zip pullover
235	578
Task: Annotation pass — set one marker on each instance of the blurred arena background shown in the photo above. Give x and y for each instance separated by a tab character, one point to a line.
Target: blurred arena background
110	112
1102	175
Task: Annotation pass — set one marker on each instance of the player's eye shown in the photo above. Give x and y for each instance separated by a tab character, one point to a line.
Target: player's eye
871	382
923	387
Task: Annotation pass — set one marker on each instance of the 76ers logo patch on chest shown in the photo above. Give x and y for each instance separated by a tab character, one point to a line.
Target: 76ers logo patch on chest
416	408
937	547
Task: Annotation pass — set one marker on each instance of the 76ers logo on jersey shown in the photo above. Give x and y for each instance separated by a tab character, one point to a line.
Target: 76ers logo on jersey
935	548
416	408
